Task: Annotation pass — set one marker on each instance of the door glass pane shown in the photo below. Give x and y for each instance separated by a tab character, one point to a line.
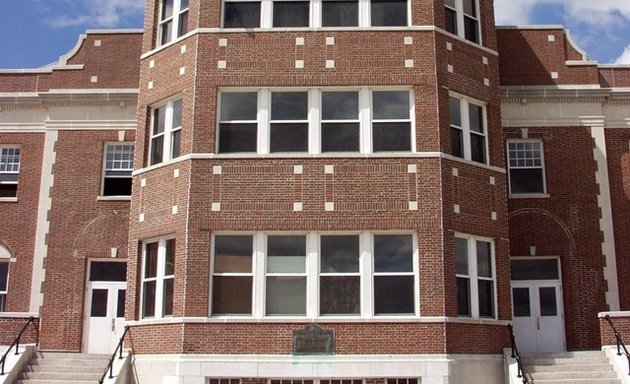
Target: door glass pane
393	253
548	305
99	303
120	305
522	307
339	254
286	296
286	254
104	271
545	269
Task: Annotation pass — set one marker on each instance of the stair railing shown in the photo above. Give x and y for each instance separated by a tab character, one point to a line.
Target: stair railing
119	351
620	343
517	356
16	344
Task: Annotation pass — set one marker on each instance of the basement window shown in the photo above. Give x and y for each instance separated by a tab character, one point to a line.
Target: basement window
118	166
166	124
9	171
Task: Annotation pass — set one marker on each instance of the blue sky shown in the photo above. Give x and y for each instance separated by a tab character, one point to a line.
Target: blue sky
37	32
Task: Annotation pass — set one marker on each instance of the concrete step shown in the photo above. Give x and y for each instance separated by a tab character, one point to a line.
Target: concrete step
577	381
65	368
55	381
539	376
568	368
60	375
70	355
529	361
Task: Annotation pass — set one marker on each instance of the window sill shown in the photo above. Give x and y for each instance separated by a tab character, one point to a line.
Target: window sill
529	196
8	199
113	198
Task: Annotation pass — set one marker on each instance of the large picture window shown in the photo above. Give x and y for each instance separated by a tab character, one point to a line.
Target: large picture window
166	125
316	121
118	166
173	20
314	275
9	171
474	262
526	166
462	19
158	276
314	14
468	129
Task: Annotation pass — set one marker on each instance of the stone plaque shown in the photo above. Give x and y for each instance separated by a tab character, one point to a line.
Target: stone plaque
313	340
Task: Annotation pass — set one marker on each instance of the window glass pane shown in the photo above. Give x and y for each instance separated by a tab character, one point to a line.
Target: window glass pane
120	303
477	148
544	269
548	304
393	253
455	112
290	13
175	143
461	256
167	298
522	307
237	138
239	105
286	254
148	299
8	190
339	254
337	13
340	105
289	105
340	137
232	295
470	7
391	137
159	116
463	297
339	295
393	295
450	20
471	29
156	149
117	186
242	14
475	113
286	296
169	267
390	105
4	276
101	271
387	13
167	9
99	303
177	113
233	253
526	181
182	29
486	298
150	261
166	31
484	259
289	137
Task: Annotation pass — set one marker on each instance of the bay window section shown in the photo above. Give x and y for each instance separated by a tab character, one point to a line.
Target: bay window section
166	125
158	277
232	280
393	275
340	122
238	126
286	276
340	276
471	21
474	264
340	13
391	122
468	129
289	122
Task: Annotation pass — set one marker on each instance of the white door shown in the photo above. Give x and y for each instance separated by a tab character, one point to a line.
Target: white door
538	318
105	307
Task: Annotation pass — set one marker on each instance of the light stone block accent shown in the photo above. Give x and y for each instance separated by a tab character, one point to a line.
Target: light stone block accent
298	169
297	207
408	63
143	183
152	64
299	41
222	64
455	172
97	43
329	169
413	205
554	75
449	46
412	168
329	206
216	207
223	42
330	63
141	218
299	64
176	173
456	208
449	68
182	71
330	41
408	40
217	170
174	210
94	79
183	49
493	180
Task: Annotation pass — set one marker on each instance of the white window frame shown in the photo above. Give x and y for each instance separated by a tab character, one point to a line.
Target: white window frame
4	293
169	130
473	276
284	274
105	169
366	244
175	19
464	105
459	19
9	148
542	167
315	16
315	120
159	278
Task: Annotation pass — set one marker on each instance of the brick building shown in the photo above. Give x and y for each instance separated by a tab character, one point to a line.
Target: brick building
382	179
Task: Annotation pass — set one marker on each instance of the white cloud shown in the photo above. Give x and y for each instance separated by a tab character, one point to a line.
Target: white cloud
592	12
100	13
624	58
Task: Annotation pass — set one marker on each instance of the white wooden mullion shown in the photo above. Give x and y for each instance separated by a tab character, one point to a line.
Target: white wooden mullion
366	268
364	13
259	272
264	116
312	279
159	279
266	13
465	119
416	274
473	273
365	117
316	13
459	16
314	121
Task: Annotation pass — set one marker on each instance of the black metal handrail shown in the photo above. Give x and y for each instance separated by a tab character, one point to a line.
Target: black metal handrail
110	365
620	343
16	343
517	356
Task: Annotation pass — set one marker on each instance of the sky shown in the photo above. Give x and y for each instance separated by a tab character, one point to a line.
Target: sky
36	32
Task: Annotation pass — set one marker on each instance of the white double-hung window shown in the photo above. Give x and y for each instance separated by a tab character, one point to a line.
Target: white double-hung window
158	276
526	166
462	19
469	138
314	275
9	171
316	121
166	126
173	20
118	166
475	275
